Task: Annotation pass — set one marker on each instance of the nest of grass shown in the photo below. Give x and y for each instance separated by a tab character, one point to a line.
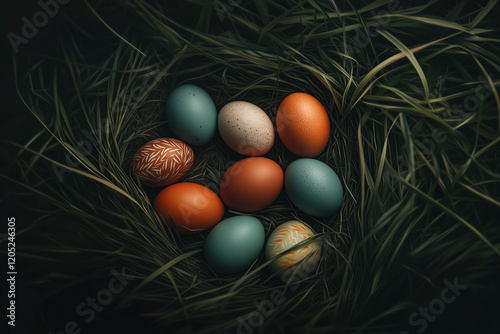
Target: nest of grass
412	95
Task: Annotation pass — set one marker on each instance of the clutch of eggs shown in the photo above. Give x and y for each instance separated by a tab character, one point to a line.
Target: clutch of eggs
285	237
162	161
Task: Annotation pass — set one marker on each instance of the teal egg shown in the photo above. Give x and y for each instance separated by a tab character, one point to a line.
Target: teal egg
234	243
313	187
191	114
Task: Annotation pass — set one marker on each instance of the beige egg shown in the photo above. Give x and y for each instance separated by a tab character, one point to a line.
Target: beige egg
285	237
246	128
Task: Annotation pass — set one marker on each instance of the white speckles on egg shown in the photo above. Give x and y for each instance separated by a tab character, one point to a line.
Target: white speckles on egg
246	128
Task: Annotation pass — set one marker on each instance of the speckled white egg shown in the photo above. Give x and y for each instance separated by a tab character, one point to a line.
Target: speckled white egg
246	128
285	237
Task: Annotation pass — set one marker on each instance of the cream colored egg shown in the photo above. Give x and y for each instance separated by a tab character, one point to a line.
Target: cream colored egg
285	237
246	128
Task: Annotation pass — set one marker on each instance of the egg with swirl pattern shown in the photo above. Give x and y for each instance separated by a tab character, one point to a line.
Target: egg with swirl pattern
283	238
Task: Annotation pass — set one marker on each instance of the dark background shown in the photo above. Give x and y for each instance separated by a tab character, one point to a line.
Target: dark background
36	314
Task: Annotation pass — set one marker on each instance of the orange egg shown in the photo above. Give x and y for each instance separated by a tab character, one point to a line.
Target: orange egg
251	184
303	125
190	206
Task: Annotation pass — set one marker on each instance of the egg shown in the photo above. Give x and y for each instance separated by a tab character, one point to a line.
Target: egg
246	128
313	187
234	244
191	114
251	184
285	237
303	125
189	206
162	161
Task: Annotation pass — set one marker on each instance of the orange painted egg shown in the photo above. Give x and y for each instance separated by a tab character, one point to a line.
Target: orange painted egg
285	237
251	184
162	161
190	206
303	125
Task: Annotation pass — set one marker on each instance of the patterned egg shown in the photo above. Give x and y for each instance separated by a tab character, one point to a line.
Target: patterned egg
285	237
162	161
246	128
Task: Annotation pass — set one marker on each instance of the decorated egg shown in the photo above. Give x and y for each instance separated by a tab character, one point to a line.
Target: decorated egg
191	114
162	161
189	206
285	237
246	128
251	184
313	187
234	243
303	125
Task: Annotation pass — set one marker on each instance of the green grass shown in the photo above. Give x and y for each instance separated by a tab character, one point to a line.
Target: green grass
421	178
